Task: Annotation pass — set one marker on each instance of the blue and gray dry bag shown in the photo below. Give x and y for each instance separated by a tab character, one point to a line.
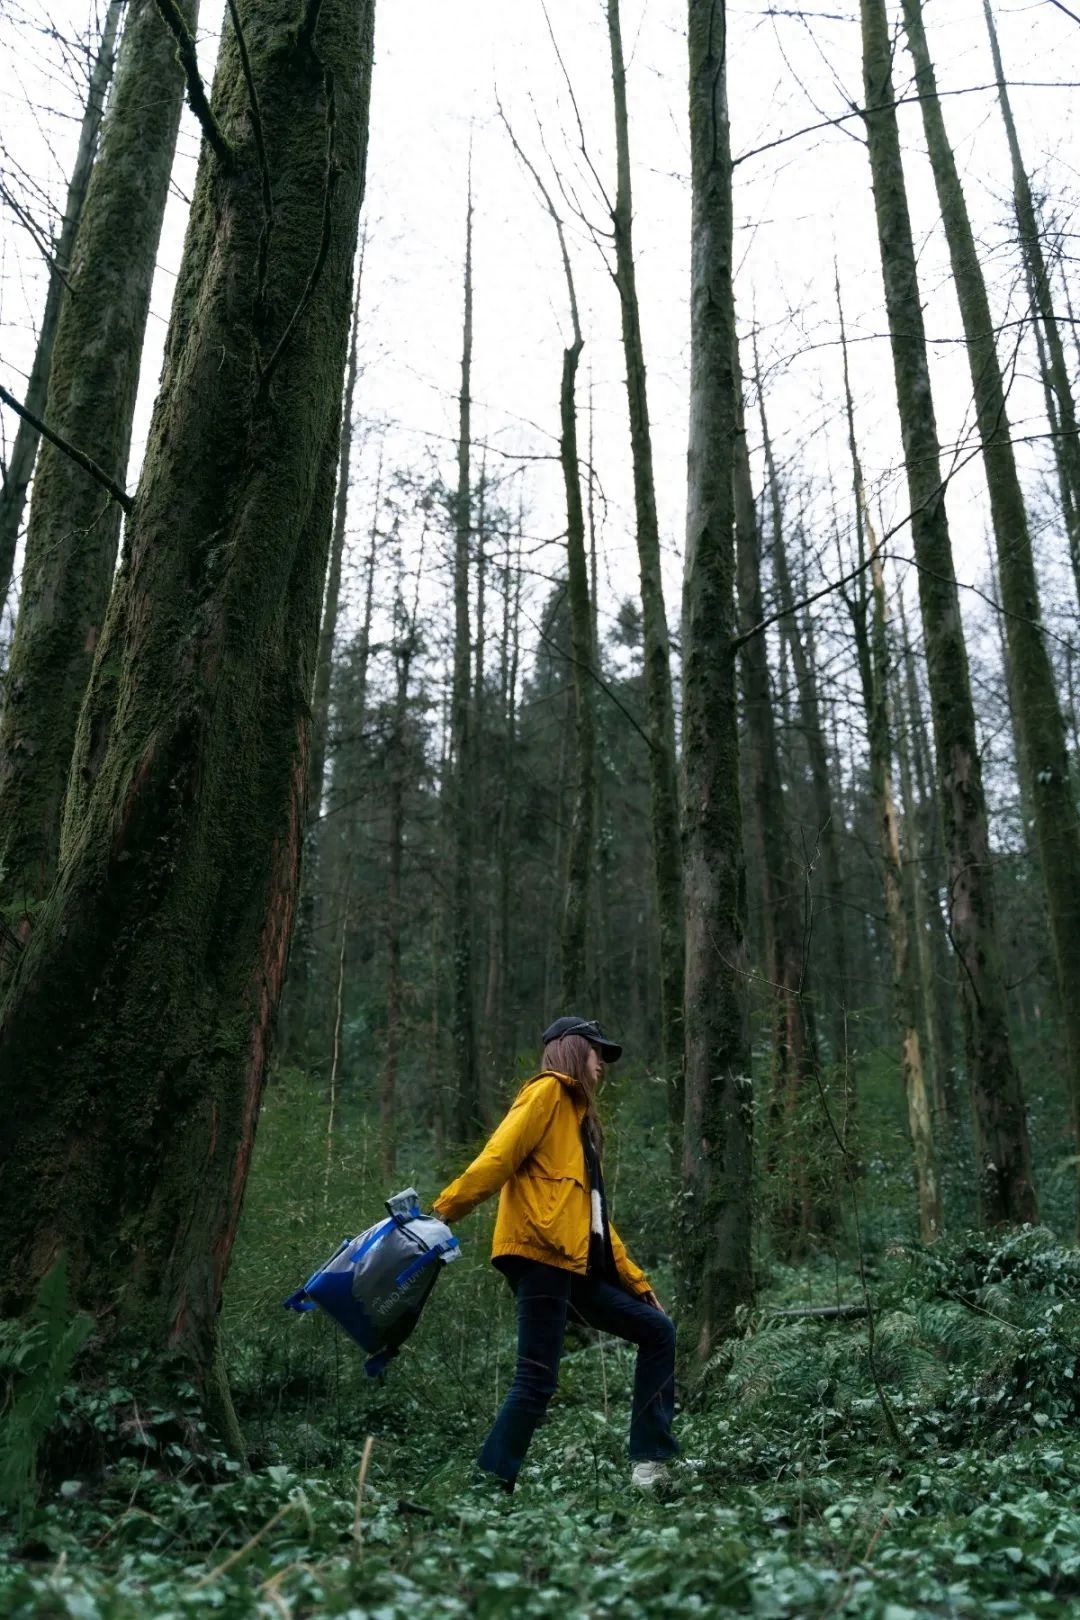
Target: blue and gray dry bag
376	1285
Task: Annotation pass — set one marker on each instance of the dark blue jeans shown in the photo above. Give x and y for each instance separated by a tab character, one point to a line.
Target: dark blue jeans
545	1296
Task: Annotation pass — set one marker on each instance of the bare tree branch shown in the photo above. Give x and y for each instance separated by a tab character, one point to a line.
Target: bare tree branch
555	215
197	97
901	101
87	463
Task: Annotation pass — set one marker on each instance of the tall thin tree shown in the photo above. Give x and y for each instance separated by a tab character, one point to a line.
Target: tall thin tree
20	463
870	631
829	918
715	1270
74	527
467	1109
796	1185
1043	761
574	922
663	774
1006	1186
1067	433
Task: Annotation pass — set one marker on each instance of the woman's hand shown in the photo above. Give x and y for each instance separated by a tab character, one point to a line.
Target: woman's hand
651	1299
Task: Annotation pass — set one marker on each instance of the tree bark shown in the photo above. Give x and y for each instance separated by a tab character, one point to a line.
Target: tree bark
20	466
1043	751
74	528
1005	1176
715	1212
1067	432
139	1022
663	776
468	1120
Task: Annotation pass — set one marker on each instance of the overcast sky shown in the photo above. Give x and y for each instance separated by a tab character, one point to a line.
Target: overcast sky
798	206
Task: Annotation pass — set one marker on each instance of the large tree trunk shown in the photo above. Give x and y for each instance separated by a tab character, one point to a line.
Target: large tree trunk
1043	754
20	465
799	1202
74	527
715	1213
833	944
468	1115
663	775
1067	432
1005	1178
139	1023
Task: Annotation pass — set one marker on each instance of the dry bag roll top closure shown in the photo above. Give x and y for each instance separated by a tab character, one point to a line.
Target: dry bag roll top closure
375	1285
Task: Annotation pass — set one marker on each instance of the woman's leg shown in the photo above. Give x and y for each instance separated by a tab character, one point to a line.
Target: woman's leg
612	1310
542	1296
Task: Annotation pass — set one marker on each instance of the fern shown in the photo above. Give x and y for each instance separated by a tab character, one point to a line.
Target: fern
37	1362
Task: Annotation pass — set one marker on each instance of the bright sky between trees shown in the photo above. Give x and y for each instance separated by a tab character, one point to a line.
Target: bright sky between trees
801	205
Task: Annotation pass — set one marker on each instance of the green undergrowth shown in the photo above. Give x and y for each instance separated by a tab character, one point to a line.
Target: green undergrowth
805	1501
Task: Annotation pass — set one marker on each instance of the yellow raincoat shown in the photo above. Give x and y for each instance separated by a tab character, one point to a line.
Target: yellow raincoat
535	1161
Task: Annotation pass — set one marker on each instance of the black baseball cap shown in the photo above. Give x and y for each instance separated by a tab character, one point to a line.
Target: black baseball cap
610	1051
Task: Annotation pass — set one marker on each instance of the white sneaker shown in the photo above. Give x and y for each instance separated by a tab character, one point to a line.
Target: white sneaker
649	1476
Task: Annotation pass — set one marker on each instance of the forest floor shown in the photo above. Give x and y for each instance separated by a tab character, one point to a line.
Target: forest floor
809	1499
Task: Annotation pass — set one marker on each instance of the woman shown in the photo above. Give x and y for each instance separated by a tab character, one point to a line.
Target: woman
560	1253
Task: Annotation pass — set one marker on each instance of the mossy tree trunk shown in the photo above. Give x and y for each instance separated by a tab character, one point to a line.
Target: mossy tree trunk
715	1213
663	774
1043	759
468	1114
140	1019
1056	370
20	463
1005	1176
74	526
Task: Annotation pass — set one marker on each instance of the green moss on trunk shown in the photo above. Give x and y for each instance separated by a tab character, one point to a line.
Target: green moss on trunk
1005	1177
74	528
139	1023
714	1221
1043	753
659	709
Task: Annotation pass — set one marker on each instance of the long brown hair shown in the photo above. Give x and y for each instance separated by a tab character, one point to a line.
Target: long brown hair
570	1055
